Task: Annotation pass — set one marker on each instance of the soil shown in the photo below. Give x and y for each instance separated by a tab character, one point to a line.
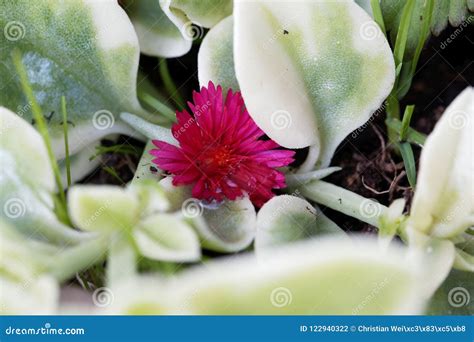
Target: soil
370	167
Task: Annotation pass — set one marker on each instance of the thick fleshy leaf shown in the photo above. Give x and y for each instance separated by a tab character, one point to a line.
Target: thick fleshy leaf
456	11
365	4
443	205
285	219
166	237
141	295
85	50
146	170
437	256
103	208
151	195
309	72
31	150
25	289
455	297
328	276
157	34
176	195
463	261
27	193
215	58
33	295
203	13
226	227
148	129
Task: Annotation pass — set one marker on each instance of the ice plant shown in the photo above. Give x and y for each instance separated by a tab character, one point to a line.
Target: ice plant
221	151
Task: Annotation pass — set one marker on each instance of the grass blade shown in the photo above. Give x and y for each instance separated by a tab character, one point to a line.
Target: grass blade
409	161
406	122
377	12
169	84
66	140
412	135
159	106
39	119
402	36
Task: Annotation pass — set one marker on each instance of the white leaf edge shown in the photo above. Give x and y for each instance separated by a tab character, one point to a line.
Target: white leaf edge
251	75
167	224
447	164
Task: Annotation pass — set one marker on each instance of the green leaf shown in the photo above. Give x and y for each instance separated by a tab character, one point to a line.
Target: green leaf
148	129
377	13
103	208
133	219
406	122
85	50
412	136
437	257
140	295
205	13
442	205
31	151
455	295
329	276
145	166
215	57
457	12
403	32
285	219
454	10
26	289
227	227
334	63
366	5
165	237
409	161
463	261
157	34
27	194
151	195
176	195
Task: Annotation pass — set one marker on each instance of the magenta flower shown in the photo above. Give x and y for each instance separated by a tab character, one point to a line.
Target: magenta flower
220	151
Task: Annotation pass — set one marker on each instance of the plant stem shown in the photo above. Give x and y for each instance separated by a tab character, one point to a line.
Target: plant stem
344	201
169	84
122	259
